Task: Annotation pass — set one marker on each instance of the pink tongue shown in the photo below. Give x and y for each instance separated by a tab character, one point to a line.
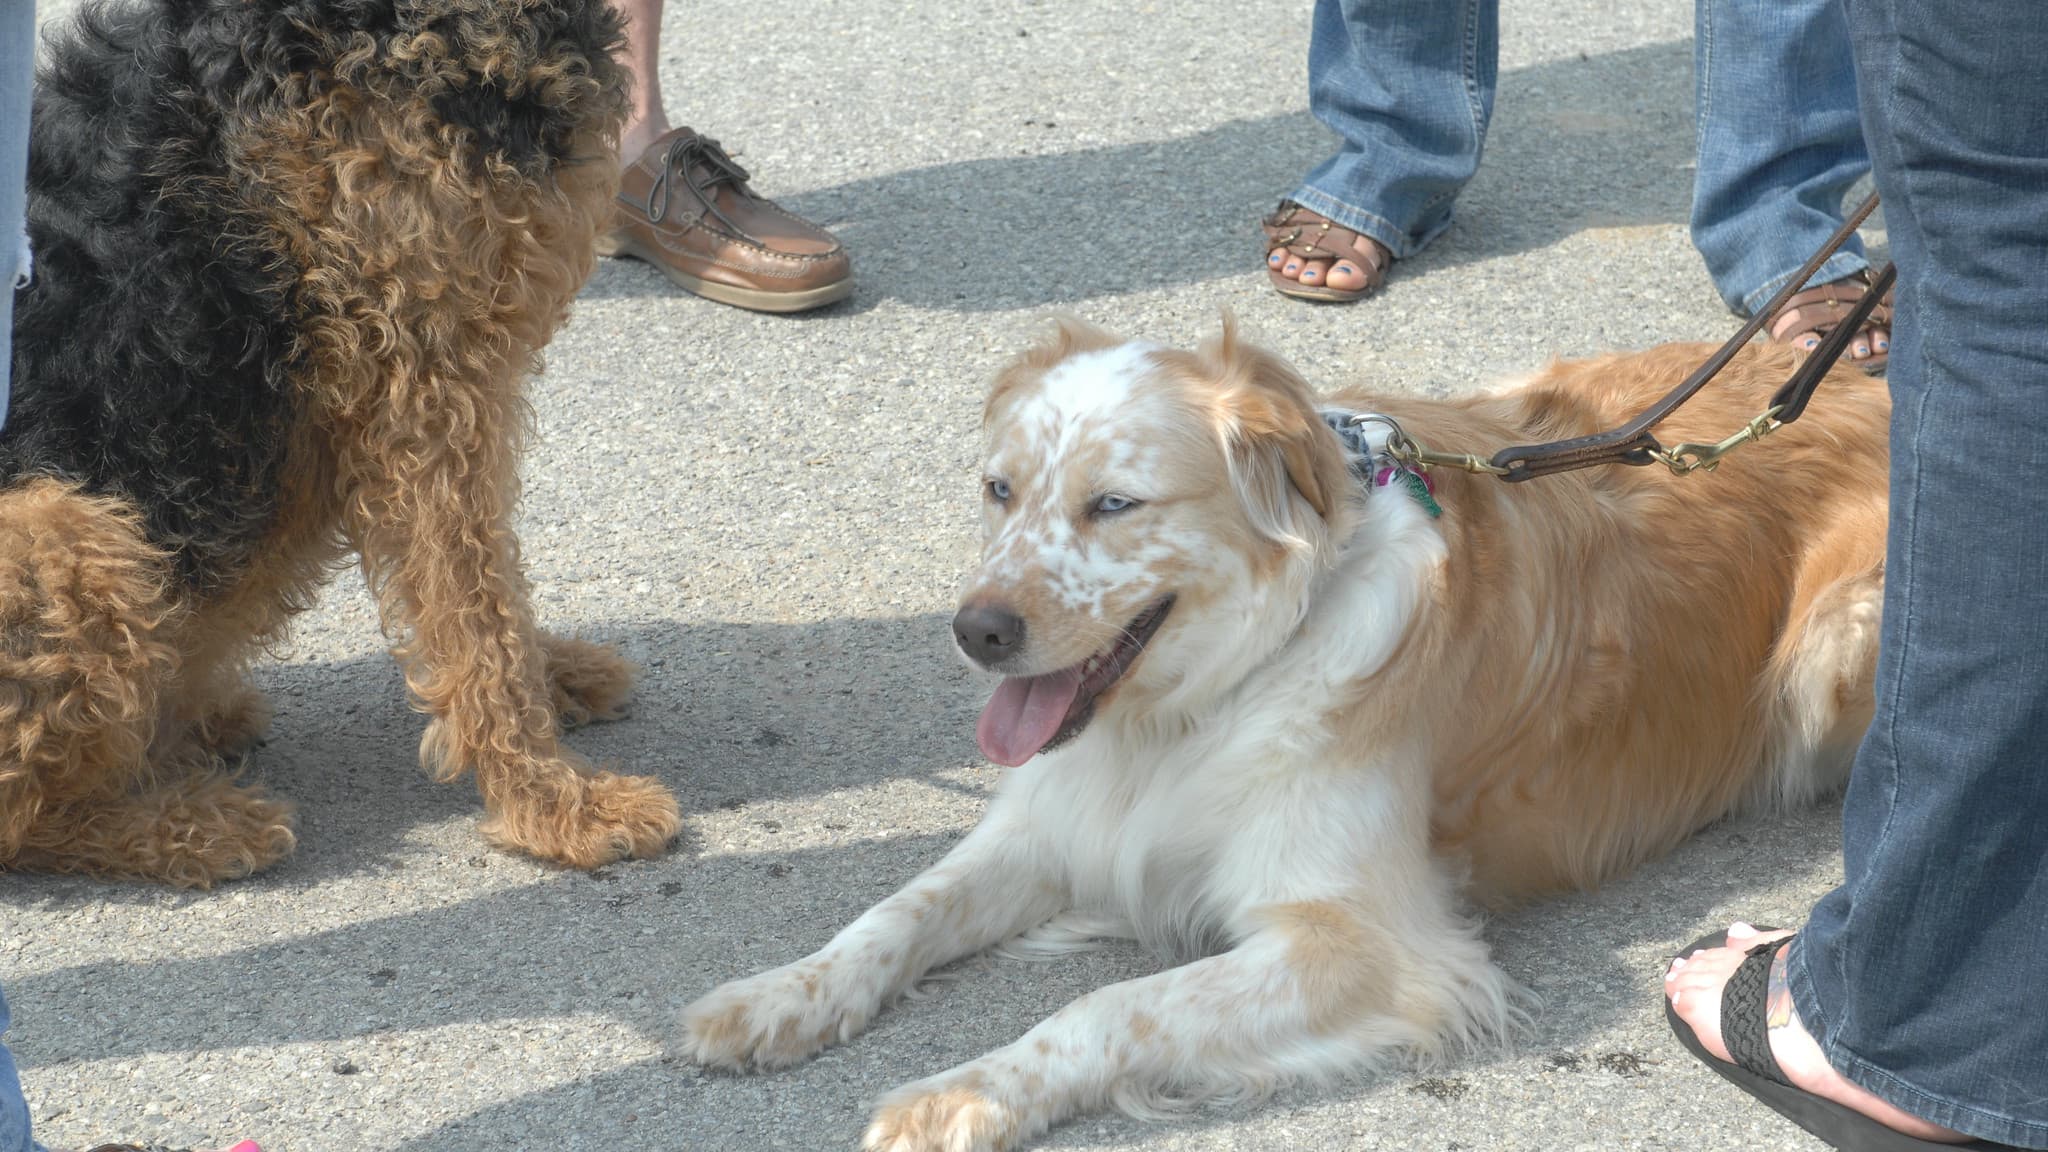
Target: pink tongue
1024	714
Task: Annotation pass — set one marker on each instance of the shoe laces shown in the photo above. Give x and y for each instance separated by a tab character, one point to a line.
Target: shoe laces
701	167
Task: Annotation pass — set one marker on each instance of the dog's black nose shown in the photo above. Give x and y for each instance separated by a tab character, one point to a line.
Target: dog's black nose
988	634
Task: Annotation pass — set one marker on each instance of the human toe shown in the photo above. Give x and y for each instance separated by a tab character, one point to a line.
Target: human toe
1348	276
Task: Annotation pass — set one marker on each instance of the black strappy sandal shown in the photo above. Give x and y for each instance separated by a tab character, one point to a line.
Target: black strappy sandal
1745	1028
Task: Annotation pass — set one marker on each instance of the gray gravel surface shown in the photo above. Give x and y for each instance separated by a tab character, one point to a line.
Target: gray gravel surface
770	516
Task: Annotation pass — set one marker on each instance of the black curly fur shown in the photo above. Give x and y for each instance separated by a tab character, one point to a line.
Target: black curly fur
156	349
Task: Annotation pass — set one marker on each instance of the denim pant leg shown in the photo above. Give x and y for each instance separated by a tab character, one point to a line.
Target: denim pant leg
1923	975
1780	143
14	1120
17	65
1407	86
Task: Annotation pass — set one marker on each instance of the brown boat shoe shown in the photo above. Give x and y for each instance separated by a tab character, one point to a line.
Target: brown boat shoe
685	208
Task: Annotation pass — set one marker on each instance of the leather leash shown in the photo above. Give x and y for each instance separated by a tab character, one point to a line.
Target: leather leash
1633	444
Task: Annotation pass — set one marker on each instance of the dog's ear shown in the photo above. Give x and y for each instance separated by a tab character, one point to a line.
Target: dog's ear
1280	450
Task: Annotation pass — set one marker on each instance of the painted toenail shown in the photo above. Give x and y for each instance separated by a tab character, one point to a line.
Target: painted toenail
1292	267
1739	928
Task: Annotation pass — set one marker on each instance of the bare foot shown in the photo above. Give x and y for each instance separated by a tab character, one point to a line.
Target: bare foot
1694	985
1345	275
1329	261
1808	314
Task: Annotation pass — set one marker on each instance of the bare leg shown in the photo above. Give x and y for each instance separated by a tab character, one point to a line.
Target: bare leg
646	119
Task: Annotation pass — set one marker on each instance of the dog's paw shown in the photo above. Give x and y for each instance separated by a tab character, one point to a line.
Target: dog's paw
588	681
589	821
193	833
234	724
249	834
771	1020
949	1113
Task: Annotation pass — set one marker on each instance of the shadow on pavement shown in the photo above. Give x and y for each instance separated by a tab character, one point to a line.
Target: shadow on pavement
722	713
1601	141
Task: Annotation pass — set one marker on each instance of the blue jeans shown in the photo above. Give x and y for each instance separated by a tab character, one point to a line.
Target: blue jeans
1408	87
1780	142
1923	975
14	1124
17	64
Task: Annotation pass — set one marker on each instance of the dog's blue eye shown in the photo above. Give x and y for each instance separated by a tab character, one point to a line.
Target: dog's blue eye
1114	503
998	490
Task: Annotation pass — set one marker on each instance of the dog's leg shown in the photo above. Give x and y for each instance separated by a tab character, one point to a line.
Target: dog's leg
1819	680
989	888
589	681
84	661
192	830
233	721
433	525
1320	988
1348	949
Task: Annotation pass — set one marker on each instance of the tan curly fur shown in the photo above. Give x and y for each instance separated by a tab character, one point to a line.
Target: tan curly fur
431	278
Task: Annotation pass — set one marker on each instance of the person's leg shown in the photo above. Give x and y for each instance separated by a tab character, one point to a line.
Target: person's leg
1922	975
688	209
1780	143
646	118
15	1135
1918	980
17	65
1407	86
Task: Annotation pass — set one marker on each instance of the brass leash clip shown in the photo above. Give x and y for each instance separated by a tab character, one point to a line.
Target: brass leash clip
1685	459
1403	449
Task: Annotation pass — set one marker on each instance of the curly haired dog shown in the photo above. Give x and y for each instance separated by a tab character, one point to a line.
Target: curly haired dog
294	260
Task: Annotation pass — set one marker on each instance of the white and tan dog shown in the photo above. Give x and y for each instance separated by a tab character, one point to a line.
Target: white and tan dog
1288	726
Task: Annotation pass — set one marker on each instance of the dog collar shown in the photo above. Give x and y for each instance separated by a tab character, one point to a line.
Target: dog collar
1371	463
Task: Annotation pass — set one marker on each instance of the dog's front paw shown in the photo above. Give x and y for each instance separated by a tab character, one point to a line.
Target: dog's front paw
233	724
950	1113
588	681
771	1020
588	821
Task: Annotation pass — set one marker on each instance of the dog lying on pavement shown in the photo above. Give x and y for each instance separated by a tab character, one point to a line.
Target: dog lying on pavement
1287	714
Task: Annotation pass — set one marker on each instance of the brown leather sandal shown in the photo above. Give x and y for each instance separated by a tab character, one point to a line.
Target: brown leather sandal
1816	311
1310	236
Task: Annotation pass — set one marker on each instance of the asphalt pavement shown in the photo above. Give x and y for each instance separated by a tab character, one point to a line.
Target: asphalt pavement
771	515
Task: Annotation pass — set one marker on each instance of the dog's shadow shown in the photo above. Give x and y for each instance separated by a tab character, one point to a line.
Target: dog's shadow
722	713
1586	142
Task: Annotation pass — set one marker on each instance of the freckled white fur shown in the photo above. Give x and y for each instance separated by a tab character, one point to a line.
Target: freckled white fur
1085	389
